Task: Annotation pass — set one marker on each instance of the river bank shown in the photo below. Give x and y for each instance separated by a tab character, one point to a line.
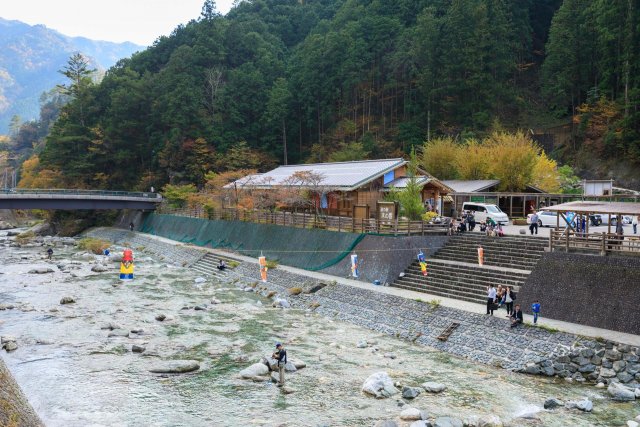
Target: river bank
76	365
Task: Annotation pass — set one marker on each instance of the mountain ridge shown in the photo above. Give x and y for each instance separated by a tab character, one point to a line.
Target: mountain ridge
32	55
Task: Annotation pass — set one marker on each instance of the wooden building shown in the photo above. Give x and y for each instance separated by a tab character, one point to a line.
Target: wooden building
345	188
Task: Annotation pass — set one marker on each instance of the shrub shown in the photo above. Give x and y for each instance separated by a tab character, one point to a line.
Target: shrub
434	303
93	245
23	238
272	264
429	216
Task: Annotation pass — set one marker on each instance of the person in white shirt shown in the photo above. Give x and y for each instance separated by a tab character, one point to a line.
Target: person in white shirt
491	298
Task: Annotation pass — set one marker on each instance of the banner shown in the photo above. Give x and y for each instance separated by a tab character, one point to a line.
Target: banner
354	265
423	263
263	268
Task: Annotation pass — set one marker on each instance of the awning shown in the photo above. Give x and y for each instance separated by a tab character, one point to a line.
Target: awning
612	208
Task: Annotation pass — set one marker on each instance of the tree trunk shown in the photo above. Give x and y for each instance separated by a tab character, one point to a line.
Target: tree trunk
284	140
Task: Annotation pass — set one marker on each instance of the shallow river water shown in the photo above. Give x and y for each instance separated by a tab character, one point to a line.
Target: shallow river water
75	375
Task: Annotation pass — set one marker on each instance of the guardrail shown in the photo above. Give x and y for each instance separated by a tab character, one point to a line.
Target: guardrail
59	191
593	242
309	220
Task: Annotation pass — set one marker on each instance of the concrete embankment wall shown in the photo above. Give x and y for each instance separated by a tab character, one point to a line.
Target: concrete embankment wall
15	410
381	257
603	292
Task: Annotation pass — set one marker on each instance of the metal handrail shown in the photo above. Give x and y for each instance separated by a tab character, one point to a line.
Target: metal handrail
60	191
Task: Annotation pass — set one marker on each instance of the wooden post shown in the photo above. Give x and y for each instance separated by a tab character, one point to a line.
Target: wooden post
339	223
422	223
603	250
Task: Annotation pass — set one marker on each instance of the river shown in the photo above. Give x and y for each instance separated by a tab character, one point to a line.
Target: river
74	374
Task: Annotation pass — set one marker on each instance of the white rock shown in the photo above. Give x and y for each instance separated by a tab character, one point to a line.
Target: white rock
200	280
632	424
255	370
433	387
621	393
411	414
490	421
175	367
379	385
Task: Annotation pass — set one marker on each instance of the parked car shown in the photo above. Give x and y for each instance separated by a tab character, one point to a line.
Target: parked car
482	211
606	218
549	219
545	219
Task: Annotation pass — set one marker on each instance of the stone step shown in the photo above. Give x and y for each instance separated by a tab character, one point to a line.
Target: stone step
464	296
496	248
488	262
473	266
489	253
482	282
461	273
480	289
475	235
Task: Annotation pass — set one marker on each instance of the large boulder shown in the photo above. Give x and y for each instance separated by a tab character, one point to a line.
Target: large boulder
379	385
41	270
67	300
410	392
552	403
99	268
447	422
255	370
621	393
583	405
175	367
433	387
490	421
412	414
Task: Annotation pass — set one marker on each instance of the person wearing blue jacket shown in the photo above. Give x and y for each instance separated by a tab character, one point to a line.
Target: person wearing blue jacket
535	308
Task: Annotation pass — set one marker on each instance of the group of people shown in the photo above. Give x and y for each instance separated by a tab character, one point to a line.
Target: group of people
468	223
505	296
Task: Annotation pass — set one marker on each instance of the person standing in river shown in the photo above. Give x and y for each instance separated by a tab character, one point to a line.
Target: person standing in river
281	357
49	253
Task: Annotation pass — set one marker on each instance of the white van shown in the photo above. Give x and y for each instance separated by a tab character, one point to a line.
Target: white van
482	211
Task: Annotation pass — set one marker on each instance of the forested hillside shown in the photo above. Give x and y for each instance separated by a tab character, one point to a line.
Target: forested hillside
279	81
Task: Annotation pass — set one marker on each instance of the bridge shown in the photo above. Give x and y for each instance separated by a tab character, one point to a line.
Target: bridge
19	198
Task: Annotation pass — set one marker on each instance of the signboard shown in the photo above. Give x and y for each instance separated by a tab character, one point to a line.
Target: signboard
387	212
477	199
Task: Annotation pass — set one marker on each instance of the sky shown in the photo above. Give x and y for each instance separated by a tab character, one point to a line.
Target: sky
137	21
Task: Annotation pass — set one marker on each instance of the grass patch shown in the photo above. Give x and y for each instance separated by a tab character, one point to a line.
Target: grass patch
233	264
295	291
550	329
271	264
434	303
96	246
23	238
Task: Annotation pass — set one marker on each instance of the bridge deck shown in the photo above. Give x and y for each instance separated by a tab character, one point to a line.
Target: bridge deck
64	199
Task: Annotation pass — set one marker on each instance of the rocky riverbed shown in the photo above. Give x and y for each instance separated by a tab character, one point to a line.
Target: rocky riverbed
169	349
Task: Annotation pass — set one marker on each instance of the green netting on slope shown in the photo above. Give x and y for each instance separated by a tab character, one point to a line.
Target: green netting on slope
311	249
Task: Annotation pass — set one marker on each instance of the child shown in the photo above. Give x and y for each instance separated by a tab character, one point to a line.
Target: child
535	307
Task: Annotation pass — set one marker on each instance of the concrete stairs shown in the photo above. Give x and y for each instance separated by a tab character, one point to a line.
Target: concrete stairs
453	271
208	265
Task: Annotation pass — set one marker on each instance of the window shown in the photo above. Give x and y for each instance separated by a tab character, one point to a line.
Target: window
493	209
388	177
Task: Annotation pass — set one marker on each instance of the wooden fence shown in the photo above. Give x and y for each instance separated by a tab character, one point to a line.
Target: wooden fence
593	242
396	227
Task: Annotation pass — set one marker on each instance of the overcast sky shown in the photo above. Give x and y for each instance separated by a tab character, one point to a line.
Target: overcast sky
138	21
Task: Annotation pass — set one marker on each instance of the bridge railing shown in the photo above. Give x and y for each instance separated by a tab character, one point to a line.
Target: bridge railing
60	191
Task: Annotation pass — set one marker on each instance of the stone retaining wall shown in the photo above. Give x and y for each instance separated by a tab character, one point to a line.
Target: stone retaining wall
175	253
599	291
385	257
15	410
